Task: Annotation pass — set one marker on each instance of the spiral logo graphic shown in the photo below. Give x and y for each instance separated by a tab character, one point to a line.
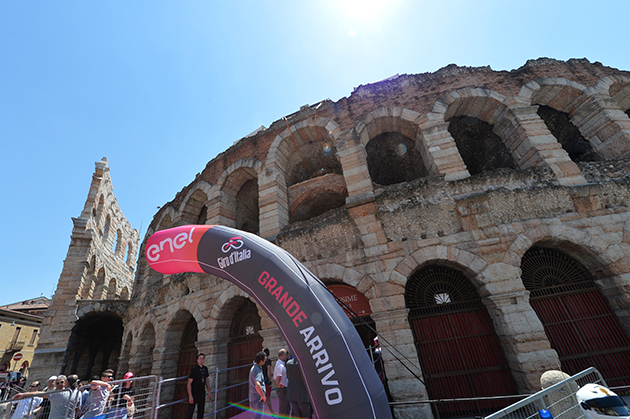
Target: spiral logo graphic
234	243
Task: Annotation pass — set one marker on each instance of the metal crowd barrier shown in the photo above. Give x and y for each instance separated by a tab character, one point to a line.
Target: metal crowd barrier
559	399
74	402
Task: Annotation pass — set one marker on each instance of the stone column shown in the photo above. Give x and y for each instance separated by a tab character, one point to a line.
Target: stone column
531	144
273	201
522	337
602	123
440	153
397	342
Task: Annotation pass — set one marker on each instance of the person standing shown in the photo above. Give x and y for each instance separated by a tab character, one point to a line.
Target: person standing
61	402
257	398
43	411
282	382
267	372
25	407
122	397
297	394
197	385
98	395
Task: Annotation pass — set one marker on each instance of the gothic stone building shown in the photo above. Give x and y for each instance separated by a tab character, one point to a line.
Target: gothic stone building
479	220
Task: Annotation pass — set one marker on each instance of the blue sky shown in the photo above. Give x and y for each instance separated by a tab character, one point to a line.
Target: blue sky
161	87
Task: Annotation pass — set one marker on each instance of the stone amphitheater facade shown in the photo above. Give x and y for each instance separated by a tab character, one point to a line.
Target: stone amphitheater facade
463	171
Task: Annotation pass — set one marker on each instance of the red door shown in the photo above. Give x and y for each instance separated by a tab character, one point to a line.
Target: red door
459	352
585	332
187	360
240	355
578	321
461	358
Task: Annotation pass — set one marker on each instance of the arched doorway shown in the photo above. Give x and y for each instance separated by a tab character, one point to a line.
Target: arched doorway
245	343
578	321
94	345
458	349
187	360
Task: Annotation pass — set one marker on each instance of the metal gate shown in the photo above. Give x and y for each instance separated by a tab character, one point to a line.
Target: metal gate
458	349
578	321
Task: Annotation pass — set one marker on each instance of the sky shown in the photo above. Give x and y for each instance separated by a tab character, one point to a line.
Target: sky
161	87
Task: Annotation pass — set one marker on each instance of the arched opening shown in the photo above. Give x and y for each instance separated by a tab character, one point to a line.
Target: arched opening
128	260
187	360
245	342
247	213
88	284
94	345
310	153
458	349
317	196
392	158
99	285
124	294
118	243
481	149
99	213
112	289
577	319
567	134
193	208
108	225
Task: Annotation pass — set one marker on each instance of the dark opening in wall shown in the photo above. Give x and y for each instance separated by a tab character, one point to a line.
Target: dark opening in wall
314	159
481	149
94	345
247	207
567	134
628	113
392	158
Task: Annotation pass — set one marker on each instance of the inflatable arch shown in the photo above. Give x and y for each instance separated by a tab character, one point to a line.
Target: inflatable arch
338	373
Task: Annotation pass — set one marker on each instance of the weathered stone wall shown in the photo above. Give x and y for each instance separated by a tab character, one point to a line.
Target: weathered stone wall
99	266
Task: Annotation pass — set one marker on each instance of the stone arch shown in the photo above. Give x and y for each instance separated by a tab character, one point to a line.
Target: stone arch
618	88
194	210
556	99
322	194
99	212
458	347
388	136
99	285
87	290
577	243
112	289
124	294
486	105
472	115
107	227
309	136
238	198
145	344
579	320
167	218
119	243
470	264
348	276
129	258
94	343
558	93
284	166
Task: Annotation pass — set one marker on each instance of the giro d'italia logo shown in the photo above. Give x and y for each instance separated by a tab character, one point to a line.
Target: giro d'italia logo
234	243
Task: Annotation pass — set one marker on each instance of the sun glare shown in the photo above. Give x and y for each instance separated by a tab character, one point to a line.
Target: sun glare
362	10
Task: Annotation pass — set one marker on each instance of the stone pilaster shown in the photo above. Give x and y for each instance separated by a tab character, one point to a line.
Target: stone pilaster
522	338
440	154
398	346
531	144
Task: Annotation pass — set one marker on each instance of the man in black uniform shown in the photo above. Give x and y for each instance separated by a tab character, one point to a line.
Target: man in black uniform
197	380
